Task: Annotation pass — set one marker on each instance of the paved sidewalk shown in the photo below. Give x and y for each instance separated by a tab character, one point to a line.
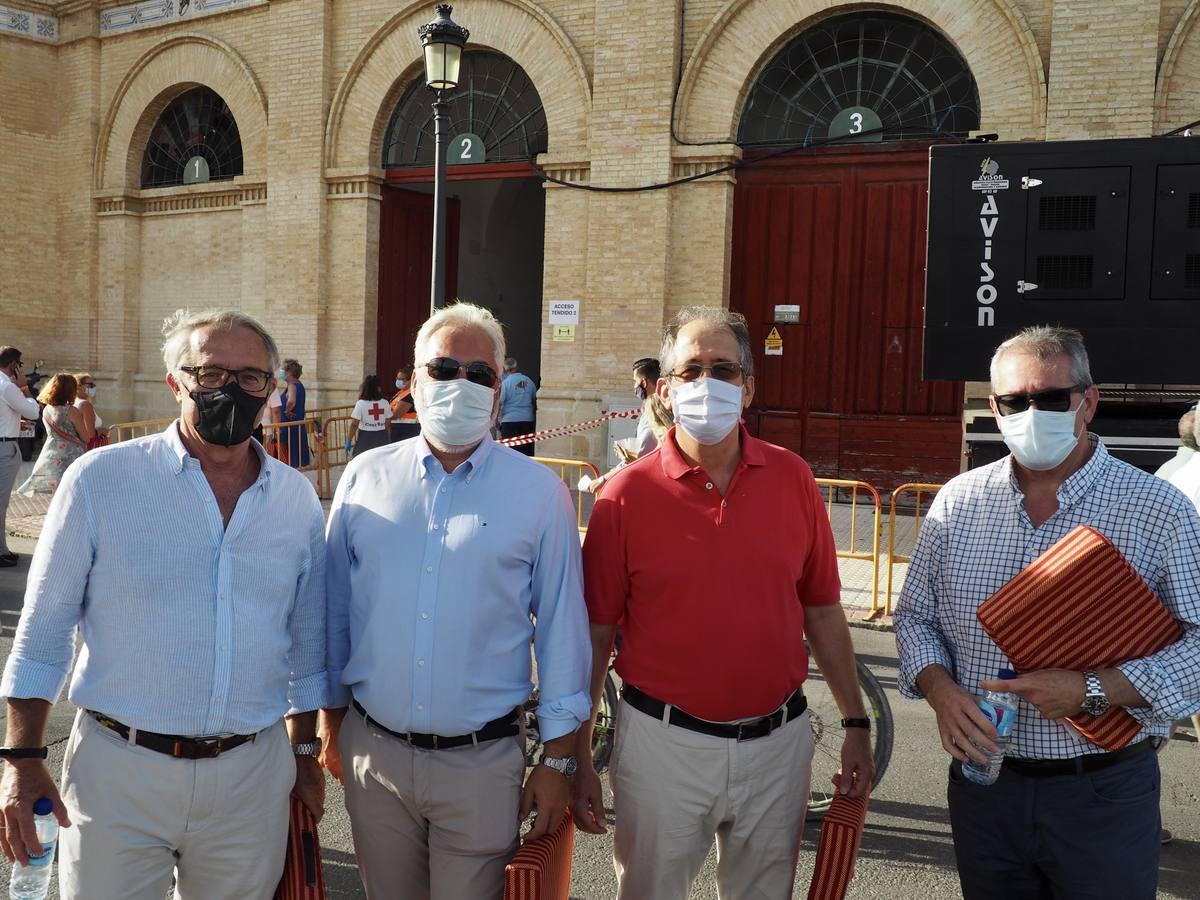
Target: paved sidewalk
26	515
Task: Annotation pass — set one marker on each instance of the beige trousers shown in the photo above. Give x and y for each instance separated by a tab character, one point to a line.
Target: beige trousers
674	790
220	825
438	824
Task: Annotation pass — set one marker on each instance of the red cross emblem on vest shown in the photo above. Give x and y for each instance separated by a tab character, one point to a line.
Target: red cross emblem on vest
375	412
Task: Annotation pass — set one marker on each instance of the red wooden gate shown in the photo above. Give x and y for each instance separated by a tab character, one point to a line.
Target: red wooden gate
405	256
841	233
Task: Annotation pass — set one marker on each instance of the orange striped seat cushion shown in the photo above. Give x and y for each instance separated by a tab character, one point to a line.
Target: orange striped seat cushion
541	869
1080	605
841	835
302	878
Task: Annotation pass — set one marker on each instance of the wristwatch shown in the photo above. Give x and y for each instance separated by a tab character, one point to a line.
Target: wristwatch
857	723
307	748
23	752
1095	701
563	765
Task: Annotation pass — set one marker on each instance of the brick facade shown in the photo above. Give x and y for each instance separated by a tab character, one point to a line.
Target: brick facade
92	262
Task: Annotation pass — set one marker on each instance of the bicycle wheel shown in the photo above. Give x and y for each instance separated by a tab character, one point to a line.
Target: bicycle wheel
826	722
605	731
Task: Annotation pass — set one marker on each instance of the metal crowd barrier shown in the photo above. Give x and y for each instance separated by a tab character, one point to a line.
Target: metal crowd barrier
127	431
288	435
832	487
575	468
920	490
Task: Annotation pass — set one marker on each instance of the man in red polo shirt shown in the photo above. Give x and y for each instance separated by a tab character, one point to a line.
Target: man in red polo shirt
715	556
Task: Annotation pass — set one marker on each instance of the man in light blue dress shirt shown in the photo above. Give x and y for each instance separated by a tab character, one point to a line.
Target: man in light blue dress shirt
194	565
447	555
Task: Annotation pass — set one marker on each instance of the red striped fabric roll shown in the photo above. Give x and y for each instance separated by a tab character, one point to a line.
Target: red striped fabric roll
541	870
1080	605
303	878
837	849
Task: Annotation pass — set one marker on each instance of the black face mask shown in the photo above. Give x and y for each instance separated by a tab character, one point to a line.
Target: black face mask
226	416
640	392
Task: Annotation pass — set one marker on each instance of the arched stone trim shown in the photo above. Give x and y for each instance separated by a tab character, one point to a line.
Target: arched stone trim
166	70
992	35
392	57
1177	93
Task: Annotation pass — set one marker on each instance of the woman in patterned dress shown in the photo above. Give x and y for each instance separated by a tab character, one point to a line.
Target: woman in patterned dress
67	435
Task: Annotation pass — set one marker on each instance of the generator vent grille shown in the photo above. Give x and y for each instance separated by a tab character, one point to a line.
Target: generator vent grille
1064	272
1068	213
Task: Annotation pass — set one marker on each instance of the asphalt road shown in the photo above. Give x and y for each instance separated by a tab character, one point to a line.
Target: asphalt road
906	849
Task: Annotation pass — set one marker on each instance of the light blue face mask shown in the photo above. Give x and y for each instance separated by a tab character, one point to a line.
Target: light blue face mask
401	384
1040	439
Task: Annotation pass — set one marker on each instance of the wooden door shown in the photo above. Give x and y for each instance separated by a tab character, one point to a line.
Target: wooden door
405	262
842	235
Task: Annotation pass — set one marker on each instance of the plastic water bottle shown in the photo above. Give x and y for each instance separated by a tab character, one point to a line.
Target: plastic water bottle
1001	709
32	882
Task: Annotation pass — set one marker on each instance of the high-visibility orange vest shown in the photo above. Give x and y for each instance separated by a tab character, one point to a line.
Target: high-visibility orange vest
404	395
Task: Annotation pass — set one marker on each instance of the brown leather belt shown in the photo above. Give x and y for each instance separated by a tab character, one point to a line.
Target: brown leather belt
175	745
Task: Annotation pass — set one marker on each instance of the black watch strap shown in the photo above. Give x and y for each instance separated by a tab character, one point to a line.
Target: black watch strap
24	752
857	723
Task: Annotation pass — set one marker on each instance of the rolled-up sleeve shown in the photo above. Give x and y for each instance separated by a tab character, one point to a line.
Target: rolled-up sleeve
338	565
25	407
1169	680
44	646
561	643
308	684
919	639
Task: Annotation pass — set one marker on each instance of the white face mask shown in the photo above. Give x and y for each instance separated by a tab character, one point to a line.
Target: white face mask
90	391
1040	439
454	414
707	409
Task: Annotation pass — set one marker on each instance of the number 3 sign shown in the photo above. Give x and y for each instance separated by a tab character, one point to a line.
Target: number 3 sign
856	120
465	149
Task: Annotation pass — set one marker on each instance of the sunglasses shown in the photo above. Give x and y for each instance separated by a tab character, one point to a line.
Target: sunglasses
722	371
444	368
1052	400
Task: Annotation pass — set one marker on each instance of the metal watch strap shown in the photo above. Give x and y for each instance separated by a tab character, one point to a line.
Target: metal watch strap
24	752
857	723
563	765
307	748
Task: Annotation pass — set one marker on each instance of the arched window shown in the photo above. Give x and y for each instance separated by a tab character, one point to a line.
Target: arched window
885	76
194	140
495	101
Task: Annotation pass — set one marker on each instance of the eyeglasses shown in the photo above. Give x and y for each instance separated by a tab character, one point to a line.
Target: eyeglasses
1051	400
444	368
722	371
213	377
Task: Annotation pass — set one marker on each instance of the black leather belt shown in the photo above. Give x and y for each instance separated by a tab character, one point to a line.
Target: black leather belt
738	731
174	745
10	439
507	725
1077	765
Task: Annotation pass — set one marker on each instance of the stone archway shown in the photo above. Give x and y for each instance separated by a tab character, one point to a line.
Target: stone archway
1177	97
161	74
520	30
995	40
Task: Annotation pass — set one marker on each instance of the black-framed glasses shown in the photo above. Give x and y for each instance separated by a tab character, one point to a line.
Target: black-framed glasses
445	368
1049	400
722	371
212	377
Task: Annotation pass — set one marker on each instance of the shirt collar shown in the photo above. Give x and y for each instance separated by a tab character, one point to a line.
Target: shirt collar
675	465
1079	482
473	463
180	455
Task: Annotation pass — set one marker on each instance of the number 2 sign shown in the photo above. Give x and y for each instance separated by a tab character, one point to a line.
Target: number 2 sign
465	149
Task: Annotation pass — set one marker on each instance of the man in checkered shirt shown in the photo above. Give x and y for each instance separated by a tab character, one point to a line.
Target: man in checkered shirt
1066	818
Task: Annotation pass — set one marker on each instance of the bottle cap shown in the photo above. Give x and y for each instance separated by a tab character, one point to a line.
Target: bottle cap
43	807
1006	674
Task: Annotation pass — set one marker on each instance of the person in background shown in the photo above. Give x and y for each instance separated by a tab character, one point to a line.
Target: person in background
294	439
272	414
85	400
518	405
1187	446
404	422
653	424
15	404
67	436
371	414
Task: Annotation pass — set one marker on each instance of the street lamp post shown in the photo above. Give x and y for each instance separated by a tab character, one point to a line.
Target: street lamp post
443	41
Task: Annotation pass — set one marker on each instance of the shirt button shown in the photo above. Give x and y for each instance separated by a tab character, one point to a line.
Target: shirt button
708	487
429	568
436	526
224	648
444	490
219	698
220	596
420	706
420	663
424	615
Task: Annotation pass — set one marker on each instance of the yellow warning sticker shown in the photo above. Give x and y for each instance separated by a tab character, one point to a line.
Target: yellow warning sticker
774	343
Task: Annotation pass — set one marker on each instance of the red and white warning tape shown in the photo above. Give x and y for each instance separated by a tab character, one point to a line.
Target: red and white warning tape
564	430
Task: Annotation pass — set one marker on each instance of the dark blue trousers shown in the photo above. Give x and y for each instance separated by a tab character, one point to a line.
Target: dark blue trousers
1092	836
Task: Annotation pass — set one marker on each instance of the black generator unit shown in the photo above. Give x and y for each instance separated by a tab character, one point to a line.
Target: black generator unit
1102	236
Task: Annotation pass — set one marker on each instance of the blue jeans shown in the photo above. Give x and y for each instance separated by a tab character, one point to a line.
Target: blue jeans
1093	835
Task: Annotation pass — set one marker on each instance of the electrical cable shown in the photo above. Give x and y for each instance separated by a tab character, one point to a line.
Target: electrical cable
1180	129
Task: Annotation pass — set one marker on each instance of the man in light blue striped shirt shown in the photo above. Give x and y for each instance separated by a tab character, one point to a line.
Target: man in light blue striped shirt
448	554
194	566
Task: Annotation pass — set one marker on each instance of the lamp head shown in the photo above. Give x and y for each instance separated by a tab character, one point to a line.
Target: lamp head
443	41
